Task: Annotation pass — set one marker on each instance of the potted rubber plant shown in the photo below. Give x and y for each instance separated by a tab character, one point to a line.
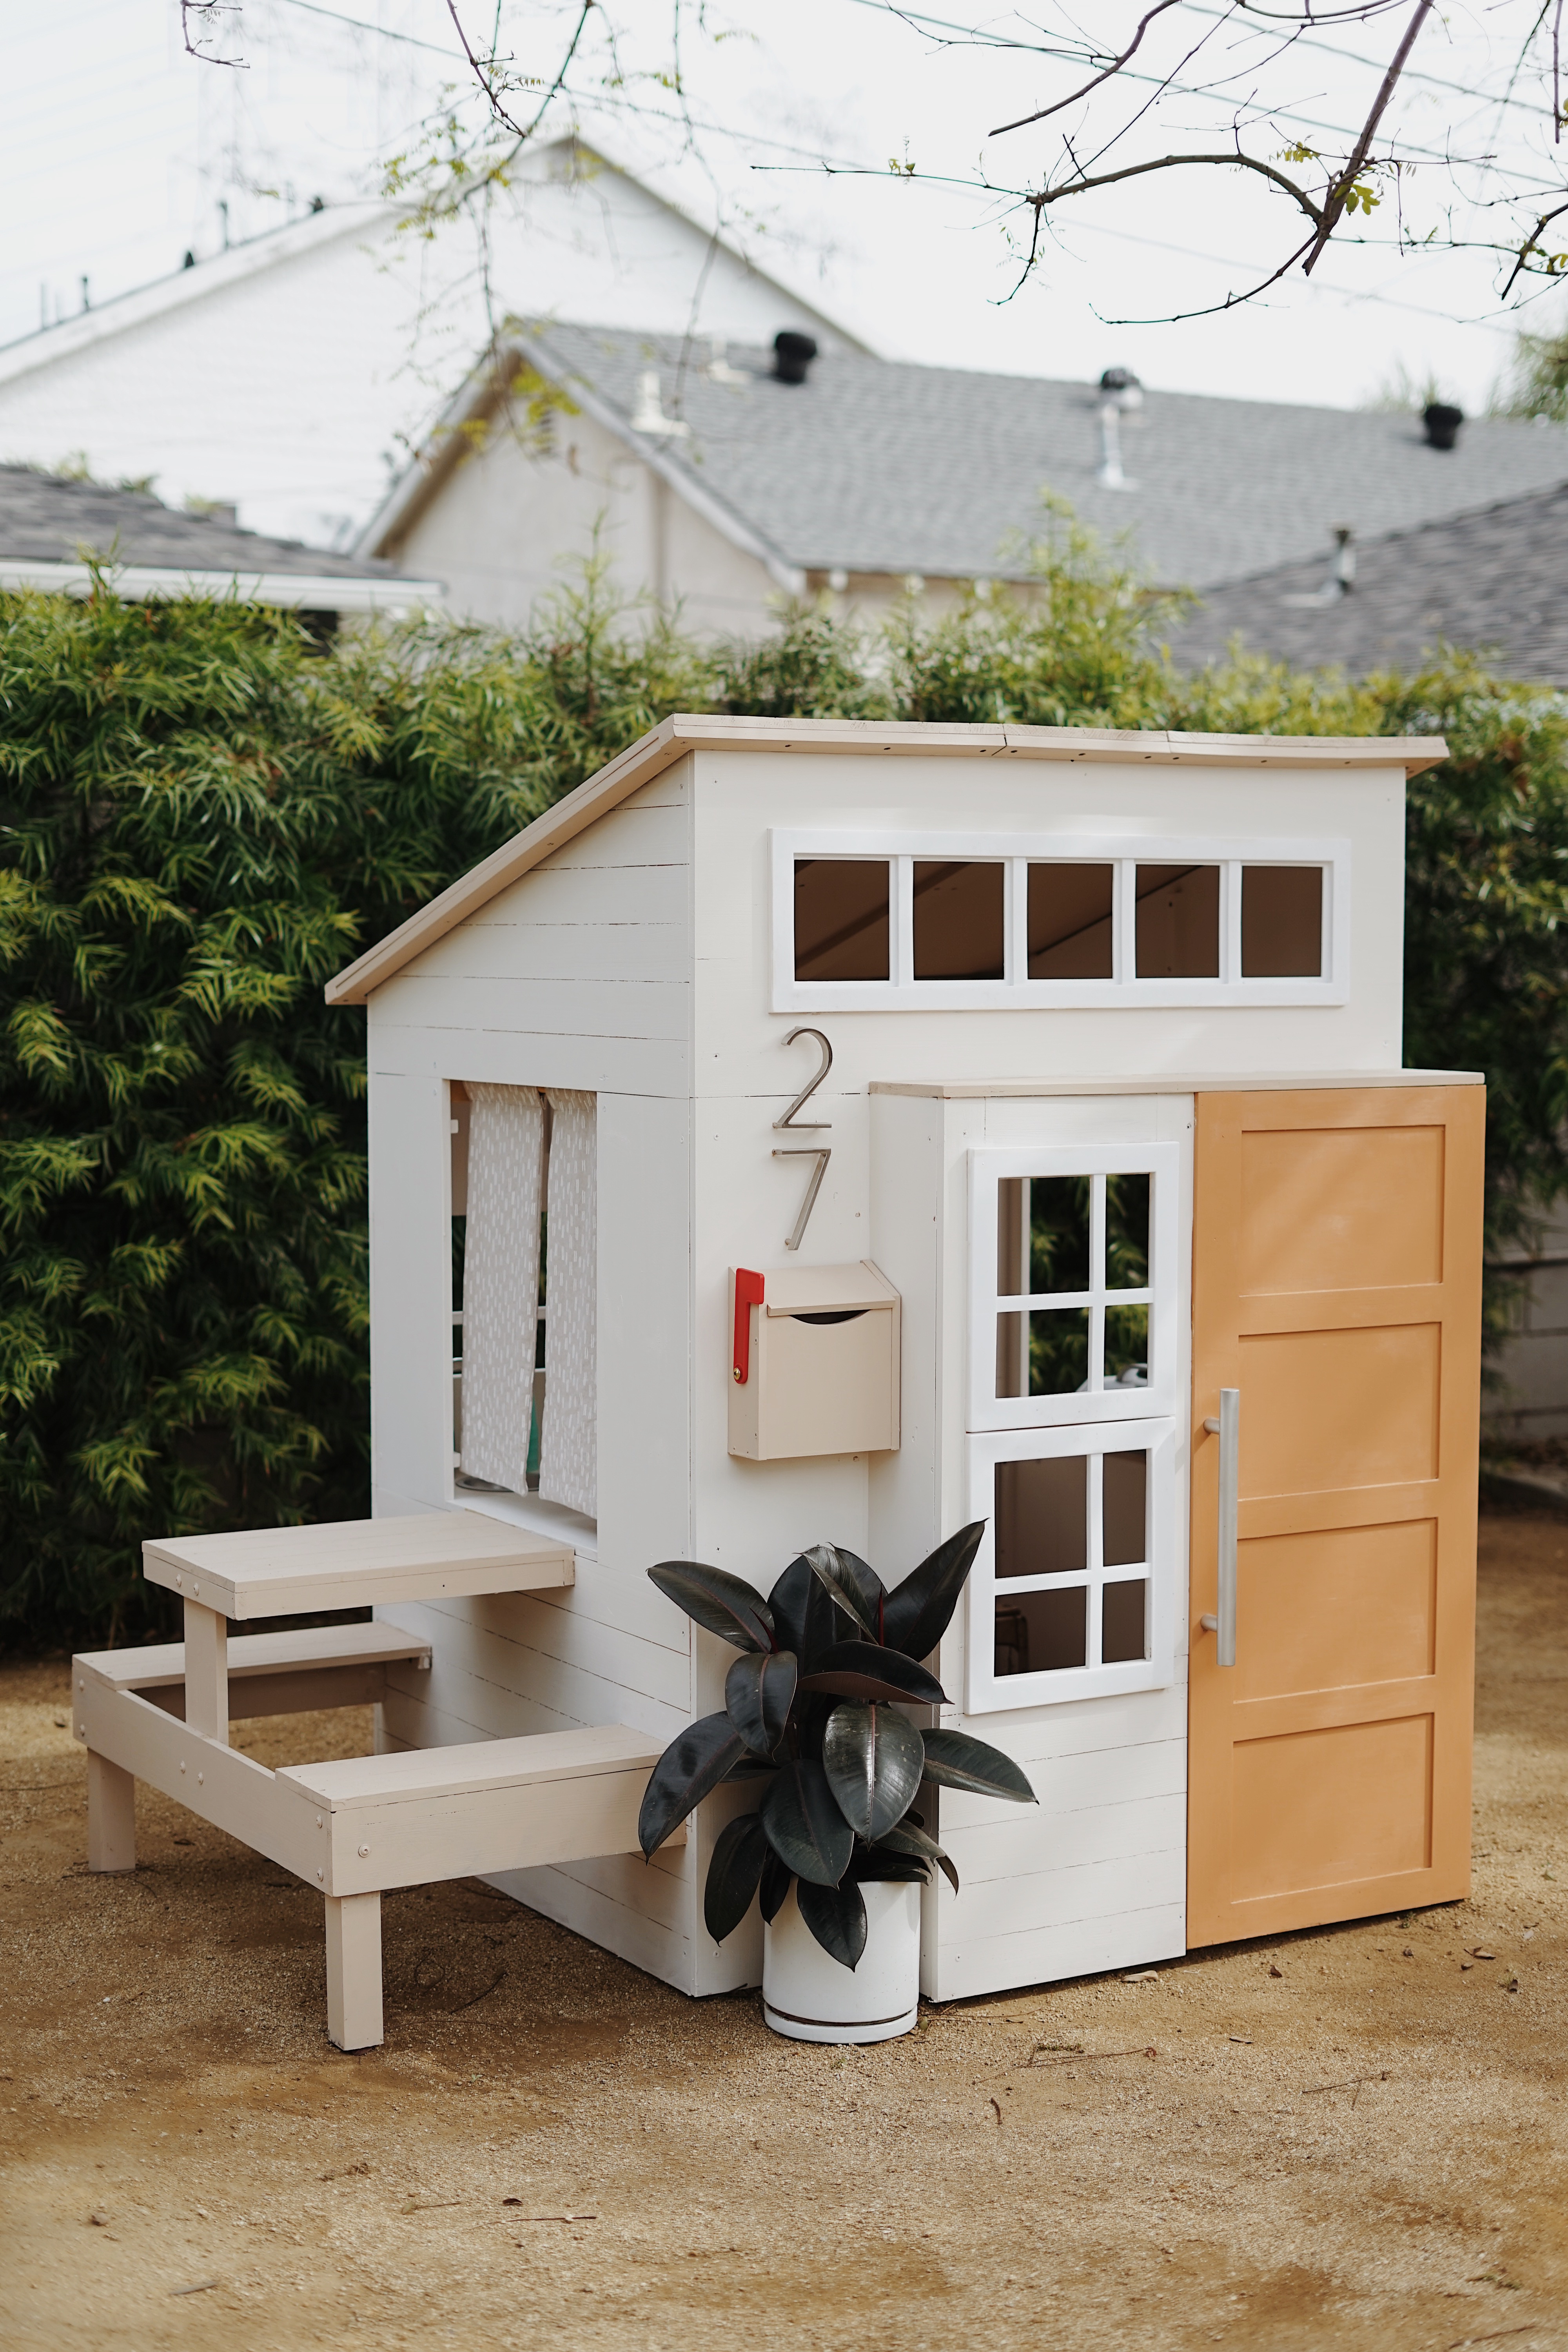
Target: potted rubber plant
836	1850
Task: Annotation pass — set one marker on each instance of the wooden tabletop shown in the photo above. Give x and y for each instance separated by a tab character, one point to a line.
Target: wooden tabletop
350	1563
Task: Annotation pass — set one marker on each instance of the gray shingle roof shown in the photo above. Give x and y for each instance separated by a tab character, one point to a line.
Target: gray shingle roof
1494	581
46	518
882	465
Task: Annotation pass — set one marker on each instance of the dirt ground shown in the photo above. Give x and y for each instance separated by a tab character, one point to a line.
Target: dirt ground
1354	2137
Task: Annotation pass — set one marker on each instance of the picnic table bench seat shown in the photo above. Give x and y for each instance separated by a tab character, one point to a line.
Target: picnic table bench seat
355	1826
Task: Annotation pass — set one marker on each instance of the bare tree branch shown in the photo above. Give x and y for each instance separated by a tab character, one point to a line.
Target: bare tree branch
211	13
1333	210
1113	68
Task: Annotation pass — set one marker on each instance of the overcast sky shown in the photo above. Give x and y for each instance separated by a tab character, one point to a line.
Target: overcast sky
118	151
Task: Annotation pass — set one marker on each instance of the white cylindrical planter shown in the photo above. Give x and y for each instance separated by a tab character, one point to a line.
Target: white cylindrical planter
812	1997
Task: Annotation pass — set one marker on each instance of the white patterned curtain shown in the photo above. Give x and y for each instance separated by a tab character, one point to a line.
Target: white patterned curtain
568	1458
501	1281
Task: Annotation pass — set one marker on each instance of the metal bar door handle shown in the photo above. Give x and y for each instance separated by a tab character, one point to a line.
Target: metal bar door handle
1228	1429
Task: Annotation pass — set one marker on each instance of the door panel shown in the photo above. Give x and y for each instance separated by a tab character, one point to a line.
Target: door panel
1351	1209
1298	1592
1335	1409
1337	1285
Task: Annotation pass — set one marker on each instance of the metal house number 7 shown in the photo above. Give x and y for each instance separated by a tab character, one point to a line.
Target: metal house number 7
819	1152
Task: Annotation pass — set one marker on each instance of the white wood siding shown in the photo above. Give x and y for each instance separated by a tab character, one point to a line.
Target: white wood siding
579	976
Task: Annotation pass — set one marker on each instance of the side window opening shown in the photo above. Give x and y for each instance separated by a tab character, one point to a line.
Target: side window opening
524	1399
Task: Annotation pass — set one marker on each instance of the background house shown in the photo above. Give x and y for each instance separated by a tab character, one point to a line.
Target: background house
292	375
720	486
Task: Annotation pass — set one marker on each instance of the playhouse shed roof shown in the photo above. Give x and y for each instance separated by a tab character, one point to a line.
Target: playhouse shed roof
652	753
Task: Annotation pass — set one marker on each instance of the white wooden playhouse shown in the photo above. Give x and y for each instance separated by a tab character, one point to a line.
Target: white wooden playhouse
1115	1121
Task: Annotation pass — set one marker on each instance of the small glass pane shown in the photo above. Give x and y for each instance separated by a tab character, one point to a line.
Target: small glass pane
1058	1351
841	921
1178	922
1058	1234
1012	1354
1282	922
1042	1633
1042	1517
1127	1233
1126	1347
1010	1215
1124	1609
1069	923
1124	1540
958	921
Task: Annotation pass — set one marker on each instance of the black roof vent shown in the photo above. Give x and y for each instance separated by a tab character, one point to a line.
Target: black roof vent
793	355
1442	423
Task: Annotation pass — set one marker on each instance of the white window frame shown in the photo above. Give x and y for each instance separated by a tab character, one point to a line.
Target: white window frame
1162	1163
902	993
988	1693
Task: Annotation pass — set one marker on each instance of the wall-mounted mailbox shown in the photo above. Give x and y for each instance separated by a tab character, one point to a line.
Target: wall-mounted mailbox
814	1362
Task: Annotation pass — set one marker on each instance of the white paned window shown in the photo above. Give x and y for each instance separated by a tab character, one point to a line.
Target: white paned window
1072	1595
946	921
1072	1285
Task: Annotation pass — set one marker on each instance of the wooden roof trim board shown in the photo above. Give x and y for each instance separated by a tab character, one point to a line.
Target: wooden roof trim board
1180	1082
670	742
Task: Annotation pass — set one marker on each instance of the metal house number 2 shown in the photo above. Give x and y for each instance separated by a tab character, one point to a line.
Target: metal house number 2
819	1152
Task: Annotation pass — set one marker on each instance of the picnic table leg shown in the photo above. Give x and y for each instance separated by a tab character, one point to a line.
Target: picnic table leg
206	1671
110	1815
354	1971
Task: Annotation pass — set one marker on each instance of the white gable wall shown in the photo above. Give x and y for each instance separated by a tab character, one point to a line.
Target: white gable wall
296	375
512	524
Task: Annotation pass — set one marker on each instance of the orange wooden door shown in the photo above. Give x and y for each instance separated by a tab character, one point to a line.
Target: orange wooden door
1336	1284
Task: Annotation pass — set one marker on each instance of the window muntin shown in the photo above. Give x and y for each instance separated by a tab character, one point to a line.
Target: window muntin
1072	1284
1072	1594
863	920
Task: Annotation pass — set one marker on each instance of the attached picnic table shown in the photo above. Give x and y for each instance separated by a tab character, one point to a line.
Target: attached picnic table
353	1827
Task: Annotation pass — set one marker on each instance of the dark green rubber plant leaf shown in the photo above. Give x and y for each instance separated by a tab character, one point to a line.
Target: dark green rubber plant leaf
721	1602
954	1761
758	1691
836	1917
919	1610
875	1863
906	1839
861	1670
804	1826
690	1769
747	1767
873	1758
855	1588
740	1850
805	1620
777	1879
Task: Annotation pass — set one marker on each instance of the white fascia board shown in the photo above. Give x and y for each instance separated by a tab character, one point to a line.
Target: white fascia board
147	582
44	346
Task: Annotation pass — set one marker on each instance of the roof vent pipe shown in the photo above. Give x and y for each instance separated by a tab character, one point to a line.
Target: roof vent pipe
1119	395
793	355
1442	423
